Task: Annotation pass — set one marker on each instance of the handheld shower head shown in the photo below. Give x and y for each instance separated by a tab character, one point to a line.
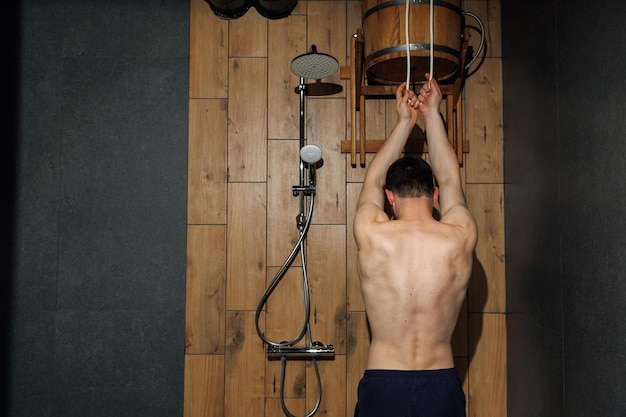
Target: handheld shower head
311	154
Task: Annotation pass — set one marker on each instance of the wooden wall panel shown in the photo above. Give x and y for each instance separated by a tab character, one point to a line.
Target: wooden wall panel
354	21
208	53
206	195
285	318
357	350
244	365
247	120
205	294
483	123
287	40
250	130
461	363
487	372
294	382
204	386
333	378
326	262
459	337
487	289
273	407
375	127
489	14
285	306
282	206
248	35
355	298
326	129
246	272
326	27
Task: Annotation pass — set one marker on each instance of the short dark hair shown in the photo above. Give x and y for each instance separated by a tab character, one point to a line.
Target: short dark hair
410	177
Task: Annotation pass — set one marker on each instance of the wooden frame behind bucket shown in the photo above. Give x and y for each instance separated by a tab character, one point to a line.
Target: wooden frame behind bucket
360	90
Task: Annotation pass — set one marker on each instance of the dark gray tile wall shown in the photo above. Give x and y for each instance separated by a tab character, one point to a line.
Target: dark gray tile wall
97	295
565	198
534	281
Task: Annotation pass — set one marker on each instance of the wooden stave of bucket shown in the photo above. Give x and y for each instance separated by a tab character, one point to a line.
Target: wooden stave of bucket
384	40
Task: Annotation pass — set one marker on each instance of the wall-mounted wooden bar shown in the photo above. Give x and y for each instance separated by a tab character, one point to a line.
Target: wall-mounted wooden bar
412	146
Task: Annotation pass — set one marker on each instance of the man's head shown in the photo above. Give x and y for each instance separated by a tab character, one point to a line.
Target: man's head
410	178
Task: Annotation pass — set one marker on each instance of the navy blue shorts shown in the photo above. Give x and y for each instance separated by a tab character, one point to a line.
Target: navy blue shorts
428	393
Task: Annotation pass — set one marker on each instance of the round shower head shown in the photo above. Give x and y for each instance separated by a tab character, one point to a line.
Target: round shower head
310	154
314	65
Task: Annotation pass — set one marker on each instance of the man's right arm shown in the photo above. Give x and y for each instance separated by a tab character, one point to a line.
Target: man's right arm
443	159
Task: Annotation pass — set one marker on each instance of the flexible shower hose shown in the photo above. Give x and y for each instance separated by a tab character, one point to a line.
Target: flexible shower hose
306	328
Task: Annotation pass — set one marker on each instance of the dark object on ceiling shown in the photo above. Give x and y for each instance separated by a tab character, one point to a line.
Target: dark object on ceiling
234	9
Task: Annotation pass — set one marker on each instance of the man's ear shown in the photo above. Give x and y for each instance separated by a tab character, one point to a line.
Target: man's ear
390	197
436	195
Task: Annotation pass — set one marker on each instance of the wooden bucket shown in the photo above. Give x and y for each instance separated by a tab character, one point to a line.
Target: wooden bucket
384	40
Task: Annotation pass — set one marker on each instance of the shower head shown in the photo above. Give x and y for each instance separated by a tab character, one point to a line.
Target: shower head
314	65
311	154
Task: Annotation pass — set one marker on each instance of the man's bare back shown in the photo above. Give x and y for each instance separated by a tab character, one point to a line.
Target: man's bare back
414	269
414	275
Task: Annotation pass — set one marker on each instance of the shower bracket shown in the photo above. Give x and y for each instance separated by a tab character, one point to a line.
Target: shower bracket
303	189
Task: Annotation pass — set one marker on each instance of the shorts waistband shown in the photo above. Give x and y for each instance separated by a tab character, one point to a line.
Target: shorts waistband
422	373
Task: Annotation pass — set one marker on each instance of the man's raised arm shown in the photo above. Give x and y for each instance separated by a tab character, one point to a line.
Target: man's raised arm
443	159
391	150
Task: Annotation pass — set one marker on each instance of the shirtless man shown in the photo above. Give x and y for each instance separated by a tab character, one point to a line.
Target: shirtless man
414	270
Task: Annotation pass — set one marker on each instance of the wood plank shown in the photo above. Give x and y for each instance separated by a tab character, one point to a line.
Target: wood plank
286	40
487	288
282	206
248	35
273	406
460	335
489	13
326	266
354	21
247	120
208	52
326	27
204	386
284	318
206	164
483	123
205	292
244	365
246	271
333	379
355	297
294	384
487	371
376	109
357	351
326	127
285	306
461	363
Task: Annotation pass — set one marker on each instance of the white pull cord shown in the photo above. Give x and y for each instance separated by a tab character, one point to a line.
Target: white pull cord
408	48
432	36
